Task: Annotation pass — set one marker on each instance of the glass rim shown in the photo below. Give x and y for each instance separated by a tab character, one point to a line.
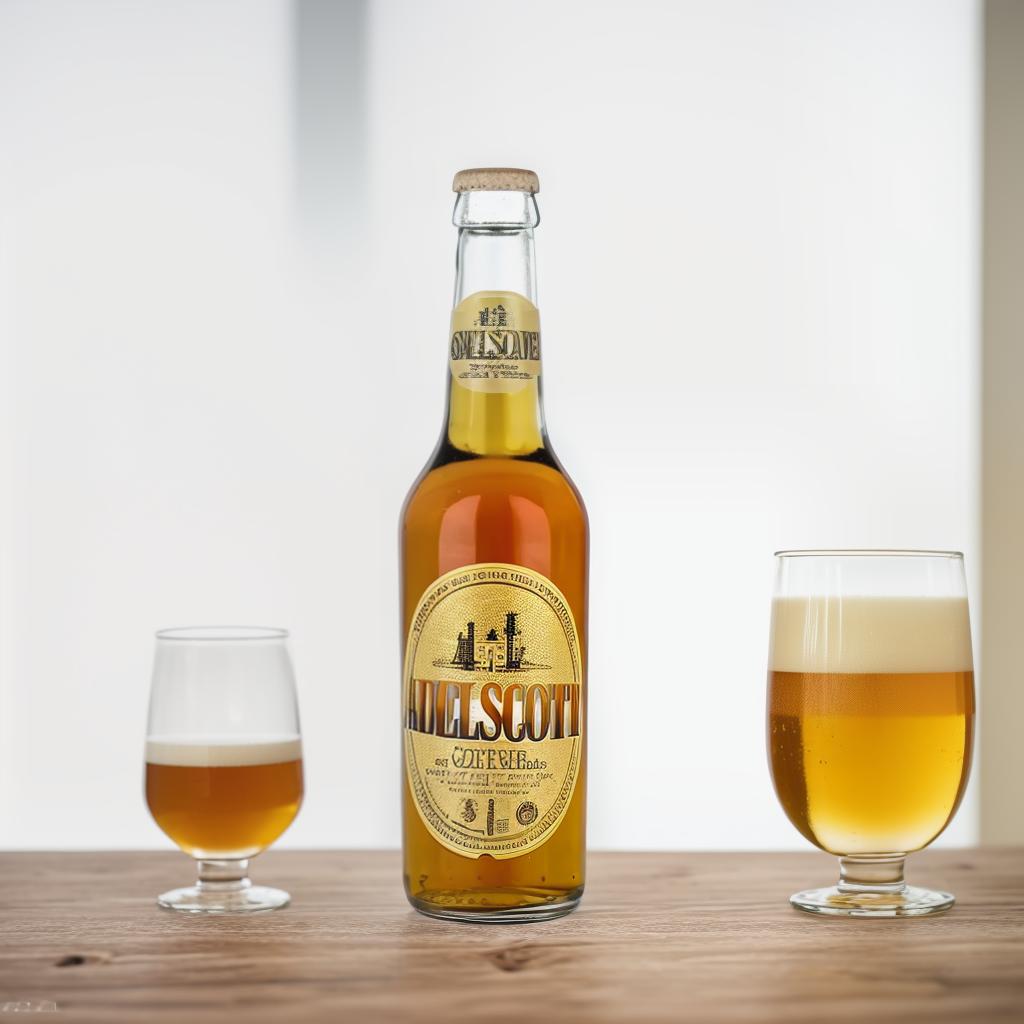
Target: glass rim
221	634
867	553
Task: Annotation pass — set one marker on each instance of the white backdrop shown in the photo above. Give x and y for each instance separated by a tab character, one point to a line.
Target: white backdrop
226	265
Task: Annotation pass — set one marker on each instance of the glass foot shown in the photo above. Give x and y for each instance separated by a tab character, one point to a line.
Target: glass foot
905	901
196	899
223	888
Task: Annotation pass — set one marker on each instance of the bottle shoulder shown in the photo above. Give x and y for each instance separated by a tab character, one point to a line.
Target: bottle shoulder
539	479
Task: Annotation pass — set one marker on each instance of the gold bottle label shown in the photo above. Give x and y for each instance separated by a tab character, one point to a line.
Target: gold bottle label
493	709
495	343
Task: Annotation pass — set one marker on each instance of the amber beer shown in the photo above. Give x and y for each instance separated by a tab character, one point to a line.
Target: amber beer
494	585
224	800
870	718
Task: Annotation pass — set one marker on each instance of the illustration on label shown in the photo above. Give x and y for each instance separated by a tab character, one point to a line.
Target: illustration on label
492	708
495	342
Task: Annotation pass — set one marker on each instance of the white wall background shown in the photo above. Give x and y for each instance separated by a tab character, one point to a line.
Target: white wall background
226	262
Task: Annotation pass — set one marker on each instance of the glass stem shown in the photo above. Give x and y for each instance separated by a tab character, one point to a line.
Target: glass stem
220	877
879	874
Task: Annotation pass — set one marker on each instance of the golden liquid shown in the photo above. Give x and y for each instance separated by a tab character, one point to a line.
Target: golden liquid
224	811
524	513
872	762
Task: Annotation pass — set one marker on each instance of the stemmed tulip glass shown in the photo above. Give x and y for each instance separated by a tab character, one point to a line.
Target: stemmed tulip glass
223	758
870	715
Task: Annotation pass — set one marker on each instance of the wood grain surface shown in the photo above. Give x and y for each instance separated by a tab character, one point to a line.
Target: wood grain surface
659	937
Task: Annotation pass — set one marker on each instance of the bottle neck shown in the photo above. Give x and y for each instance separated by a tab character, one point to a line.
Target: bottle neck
494	398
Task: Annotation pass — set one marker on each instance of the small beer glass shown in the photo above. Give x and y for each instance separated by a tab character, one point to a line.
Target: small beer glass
223	758
870	715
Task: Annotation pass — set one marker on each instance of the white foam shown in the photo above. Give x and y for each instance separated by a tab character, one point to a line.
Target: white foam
870	634
222	751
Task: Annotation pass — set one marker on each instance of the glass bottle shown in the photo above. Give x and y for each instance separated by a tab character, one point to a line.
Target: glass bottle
494	549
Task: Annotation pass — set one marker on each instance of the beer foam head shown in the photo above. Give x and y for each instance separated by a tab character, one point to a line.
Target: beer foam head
870	634
222	751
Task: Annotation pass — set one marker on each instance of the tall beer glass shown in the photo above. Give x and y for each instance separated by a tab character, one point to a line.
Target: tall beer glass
870	715
223	758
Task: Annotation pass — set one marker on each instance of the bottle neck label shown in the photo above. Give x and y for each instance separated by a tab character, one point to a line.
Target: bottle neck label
495	342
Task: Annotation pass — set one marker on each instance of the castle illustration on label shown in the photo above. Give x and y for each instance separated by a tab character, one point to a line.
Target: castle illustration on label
493	653
496	316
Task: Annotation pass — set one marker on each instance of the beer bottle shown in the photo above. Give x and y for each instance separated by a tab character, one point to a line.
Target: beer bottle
494	543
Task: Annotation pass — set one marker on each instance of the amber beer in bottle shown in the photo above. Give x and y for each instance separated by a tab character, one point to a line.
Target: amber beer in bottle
494	598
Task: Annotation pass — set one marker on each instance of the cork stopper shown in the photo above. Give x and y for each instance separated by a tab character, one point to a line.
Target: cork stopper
496	179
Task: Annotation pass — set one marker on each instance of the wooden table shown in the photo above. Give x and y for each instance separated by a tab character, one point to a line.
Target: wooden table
659	937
